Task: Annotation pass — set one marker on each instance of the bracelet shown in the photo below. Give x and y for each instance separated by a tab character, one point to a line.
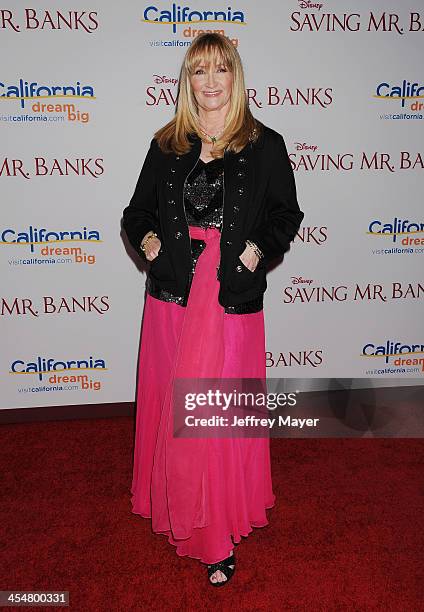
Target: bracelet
143	244
255	247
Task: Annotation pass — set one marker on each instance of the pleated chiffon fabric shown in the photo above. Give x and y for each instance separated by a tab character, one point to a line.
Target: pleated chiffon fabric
204	494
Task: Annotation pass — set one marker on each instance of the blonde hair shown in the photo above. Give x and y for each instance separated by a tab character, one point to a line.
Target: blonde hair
240	125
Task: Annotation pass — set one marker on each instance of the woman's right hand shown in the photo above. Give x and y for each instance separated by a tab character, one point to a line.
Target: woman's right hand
152	247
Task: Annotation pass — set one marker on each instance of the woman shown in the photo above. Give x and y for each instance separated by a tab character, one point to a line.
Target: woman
214	203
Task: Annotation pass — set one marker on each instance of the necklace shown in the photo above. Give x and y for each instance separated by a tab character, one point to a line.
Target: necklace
213	138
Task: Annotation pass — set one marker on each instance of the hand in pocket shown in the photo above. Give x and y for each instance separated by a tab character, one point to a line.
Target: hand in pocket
249	258
152	248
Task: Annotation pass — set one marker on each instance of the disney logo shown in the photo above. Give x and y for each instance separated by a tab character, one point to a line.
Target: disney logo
302	146
163	79
297	280
306	4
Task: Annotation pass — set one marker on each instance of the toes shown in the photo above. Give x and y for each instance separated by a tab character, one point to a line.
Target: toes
222	576
218	576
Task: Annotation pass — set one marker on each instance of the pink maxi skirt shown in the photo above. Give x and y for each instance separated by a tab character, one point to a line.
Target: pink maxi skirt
203	494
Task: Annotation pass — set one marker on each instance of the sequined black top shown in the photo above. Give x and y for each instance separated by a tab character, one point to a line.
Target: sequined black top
203	194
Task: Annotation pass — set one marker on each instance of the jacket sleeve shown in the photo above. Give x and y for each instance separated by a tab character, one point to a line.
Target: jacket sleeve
283	215
141	216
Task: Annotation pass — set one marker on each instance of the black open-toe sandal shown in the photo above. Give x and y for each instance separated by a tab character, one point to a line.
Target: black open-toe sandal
224	567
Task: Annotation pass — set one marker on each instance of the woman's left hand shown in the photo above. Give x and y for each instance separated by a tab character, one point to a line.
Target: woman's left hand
249	258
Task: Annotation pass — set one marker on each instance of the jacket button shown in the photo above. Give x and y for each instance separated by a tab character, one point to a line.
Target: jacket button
229	242
236	208
178	235
242	160
169	184
241	174
172	170
231	225
178	157
241	190
239	269
175	219
172	202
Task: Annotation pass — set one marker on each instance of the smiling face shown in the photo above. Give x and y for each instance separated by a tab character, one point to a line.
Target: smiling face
211	83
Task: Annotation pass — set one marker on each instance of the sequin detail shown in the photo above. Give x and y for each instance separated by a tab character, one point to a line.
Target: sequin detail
163	294
203	195
254	305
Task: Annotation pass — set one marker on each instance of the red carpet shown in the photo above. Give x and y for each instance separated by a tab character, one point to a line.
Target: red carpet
346	533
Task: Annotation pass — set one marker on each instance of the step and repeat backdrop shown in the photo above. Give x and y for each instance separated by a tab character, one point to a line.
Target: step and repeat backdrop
83	87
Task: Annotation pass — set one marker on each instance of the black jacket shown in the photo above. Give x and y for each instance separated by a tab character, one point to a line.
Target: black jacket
260	204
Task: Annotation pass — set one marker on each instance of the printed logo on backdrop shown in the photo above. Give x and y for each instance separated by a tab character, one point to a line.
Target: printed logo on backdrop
34	246
304	290
54	305
163	92
305	358
26	101
21	19
396	99
41	374
397	236
308	158
318	17
312	235
177	26
40	166
278	95
393	357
